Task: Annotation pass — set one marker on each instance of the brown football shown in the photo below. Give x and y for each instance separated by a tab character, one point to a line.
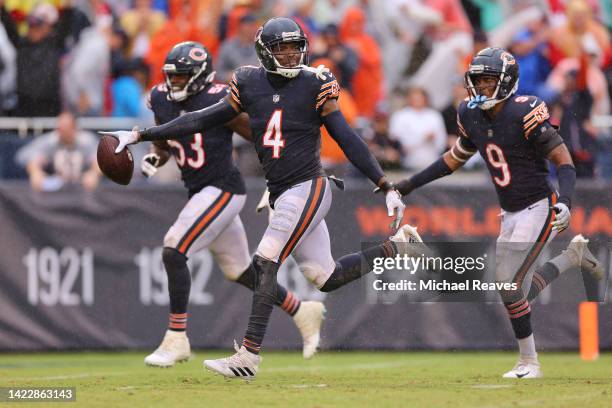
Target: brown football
118	167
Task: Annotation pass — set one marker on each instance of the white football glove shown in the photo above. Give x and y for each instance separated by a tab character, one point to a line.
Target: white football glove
395	206
149	164
562	219
125	137
264	201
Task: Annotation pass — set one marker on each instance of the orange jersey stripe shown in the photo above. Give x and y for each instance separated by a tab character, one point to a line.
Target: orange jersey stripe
204	222
307	219
539	245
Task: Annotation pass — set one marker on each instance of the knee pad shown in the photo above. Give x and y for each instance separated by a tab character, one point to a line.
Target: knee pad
315	273
265	274
173	260
232	266
171	239
270	248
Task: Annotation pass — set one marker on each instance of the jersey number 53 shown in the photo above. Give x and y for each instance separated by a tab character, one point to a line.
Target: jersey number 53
195	160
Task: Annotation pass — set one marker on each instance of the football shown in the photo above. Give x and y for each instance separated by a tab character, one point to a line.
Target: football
118	167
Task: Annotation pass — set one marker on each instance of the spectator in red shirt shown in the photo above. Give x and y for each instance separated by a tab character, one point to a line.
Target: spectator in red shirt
452	40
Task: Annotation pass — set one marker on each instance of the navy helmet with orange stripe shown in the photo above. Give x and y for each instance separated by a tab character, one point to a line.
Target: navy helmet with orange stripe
282	47
192	61
492	62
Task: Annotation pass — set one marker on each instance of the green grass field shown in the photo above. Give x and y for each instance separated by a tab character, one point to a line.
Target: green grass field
332	379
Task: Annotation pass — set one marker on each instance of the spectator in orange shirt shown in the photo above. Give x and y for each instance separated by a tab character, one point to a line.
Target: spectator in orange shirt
368	80
182	26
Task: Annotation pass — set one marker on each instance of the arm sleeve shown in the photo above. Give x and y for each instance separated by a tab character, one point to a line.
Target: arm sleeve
567	180
353	146
192	122
436	170
545	139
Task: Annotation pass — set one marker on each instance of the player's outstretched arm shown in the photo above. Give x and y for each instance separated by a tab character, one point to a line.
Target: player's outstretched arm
566	173
358	153
240	124
549	143
351	144
445	165
187	124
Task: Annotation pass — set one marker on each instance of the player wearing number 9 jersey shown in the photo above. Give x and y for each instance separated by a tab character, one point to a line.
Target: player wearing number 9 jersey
513	135
210	218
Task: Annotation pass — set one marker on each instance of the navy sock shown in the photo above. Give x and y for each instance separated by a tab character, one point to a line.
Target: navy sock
354	266
179	285
264	298
286	299
520	318
542	278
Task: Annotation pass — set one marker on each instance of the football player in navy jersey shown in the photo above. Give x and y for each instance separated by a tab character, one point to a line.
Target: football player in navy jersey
287	102
216	196
514	136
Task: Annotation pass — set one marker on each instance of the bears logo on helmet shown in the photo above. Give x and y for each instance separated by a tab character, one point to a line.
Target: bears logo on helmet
192	60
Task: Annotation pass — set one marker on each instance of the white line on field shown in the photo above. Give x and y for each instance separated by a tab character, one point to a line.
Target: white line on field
362	366
67	377
492	386
309	385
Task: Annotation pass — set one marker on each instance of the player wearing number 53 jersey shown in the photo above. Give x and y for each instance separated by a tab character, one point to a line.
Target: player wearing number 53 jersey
287	103
216	196
513	135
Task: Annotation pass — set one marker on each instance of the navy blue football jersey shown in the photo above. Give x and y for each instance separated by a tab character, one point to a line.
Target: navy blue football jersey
285	122
518	170
205	159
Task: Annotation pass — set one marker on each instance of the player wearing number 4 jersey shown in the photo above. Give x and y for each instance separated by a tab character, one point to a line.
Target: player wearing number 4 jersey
216	195
515	138
287	102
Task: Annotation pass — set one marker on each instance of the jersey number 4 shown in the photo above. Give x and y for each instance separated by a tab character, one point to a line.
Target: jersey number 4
197	147
495	156
274	135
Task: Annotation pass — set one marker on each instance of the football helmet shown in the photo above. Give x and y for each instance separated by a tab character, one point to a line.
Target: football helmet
192	59
268	40
492	62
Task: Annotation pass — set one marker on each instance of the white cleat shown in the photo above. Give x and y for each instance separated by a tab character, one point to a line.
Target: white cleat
308	320
408	241
243	364
173	349
525	369
579	253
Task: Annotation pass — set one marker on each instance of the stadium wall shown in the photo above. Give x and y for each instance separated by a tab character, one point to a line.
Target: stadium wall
83	271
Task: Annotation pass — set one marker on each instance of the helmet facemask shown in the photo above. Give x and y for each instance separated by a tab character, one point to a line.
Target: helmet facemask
192	86
289	56
500	92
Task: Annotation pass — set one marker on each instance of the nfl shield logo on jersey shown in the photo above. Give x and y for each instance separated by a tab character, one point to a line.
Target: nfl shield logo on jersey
276	98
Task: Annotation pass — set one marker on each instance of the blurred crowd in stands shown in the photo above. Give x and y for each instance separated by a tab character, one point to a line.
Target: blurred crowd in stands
400	62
